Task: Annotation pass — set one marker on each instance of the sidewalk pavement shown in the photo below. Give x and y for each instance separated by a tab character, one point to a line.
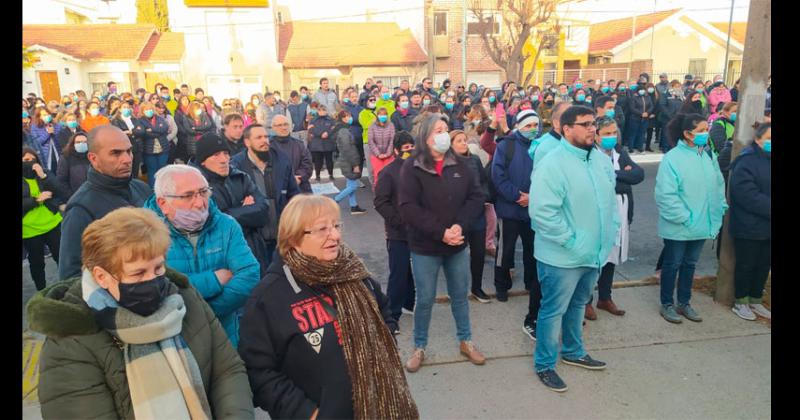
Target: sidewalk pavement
719	368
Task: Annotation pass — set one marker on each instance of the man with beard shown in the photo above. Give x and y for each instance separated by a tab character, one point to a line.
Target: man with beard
295	150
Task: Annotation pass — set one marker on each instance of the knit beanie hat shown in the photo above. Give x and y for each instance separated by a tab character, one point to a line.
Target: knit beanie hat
526	117
208	145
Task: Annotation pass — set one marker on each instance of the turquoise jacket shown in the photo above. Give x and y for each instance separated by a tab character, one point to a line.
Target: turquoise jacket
221	245
574	208
542	146
690	195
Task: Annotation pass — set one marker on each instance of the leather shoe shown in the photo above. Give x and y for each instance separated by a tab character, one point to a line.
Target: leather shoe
590	314
468	349
415	361
610	306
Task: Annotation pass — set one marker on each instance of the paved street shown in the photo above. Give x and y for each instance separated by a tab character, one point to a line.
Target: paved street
692	360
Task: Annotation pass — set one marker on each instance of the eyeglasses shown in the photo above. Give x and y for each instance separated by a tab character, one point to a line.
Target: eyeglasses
585	124
190	196
324	232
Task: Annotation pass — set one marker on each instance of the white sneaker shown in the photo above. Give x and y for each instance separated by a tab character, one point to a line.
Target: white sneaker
760	310
407	311
743	311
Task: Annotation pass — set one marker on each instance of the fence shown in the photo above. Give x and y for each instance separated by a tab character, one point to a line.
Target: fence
567	76
679	75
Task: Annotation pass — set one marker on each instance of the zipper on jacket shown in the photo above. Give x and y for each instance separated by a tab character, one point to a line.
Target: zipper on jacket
599	216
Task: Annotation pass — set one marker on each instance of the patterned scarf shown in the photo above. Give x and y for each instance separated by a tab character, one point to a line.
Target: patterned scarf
380	390
153	348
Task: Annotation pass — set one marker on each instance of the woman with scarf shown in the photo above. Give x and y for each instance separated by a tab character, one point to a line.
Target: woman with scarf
195	124
316	335
131	338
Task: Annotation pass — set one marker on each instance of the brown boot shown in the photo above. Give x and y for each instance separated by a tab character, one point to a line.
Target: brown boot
468	349
609	306
589	314
413	364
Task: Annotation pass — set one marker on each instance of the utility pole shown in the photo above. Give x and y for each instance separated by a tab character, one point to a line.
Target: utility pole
756	68
728	46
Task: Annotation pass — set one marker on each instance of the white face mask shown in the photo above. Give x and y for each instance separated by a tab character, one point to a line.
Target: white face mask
441	142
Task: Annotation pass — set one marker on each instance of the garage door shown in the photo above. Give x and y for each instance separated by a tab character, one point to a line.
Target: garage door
489	79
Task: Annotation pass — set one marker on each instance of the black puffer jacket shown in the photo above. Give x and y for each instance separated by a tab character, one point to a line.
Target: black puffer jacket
315	141
387	201
72	171
348	152
751	194
291	347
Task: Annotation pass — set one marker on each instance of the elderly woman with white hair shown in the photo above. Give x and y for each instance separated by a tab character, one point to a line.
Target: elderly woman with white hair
316	333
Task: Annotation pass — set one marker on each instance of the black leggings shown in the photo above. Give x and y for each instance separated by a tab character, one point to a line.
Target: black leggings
317	157
35	247
753	262
477	256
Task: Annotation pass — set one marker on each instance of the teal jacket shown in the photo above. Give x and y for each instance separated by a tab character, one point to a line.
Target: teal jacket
221	245
542	146
690	195
574	208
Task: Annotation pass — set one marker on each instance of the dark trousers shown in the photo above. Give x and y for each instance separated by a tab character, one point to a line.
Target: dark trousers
318	157
509	230
652	132
604	283
271	244
477	256
665	143
635	131
401	281
753	262
680	259
35	247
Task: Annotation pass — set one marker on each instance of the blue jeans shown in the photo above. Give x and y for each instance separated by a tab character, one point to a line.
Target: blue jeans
153	164
565	293
426	271
680	258
349	191
635	130
664	143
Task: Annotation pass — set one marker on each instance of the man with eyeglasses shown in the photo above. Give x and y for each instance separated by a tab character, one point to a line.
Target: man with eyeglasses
574	213
273	176
207	245
108	187
295	150
234	192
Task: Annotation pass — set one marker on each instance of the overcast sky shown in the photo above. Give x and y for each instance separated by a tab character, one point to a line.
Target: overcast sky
705	10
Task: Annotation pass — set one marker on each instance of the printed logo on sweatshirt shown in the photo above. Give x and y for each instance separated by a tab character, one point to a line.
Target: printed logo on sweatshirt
312	318
456	175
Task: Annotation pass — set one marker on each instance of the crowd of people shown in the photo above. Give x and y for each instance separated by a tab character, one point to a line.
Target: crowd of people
152	203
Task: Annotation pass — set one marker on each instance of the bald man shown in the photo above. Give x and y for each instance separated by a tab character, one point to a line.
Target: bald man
108	187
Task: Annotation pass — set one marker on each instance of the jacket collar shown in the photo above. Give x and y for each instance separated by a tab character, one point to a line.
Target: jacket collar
579	153
107	183
555	134
213	215
685	146
449	160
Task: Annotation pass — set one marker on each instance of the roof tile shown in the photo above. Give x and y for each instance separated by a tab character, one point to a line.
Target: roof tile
738	33
604	36
106	41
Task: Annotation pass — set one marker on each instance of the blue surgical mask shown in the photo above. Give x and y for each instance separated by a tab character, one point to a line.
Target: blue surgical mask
608	142
47	119
530	135
314	112
404	105
650	90
448	106
165	97
148	113
492	99
641	92
305	97
581	98
426	102
126	112
733	117
350	120
72	124
346	100
605	89
621	88
768	146
441	142
701	139
386	96
610	113
699	90
24	114
82	147
382	118
634	87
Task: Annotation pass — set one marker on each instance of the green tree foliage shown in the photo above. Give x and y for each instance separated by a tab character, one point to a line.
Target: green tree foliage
153	11
29	58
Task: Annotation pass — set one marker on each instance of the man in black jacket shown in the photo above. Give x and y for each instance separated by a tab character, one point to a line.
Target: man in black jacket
298	153
272	173
234	192
387	203
232	127
108	187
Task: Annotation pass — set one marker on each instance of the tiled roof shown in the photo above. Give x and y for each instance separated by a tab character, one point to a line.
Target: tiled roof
333	44
738	32
106	41
604	36
166	46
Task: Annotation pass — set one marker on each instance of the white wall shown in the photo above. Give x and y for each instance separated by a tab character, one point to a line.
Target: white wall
52	11
226	42
51	62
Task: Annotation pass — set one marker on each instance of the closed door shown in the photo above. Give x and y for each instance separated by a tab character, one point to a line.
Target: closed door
48	81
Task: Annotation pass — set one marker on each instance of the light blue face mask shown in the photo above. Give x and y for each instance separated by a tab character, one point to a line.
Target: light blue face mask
530	135
127	112
382	118
148	113
448	106
608	142
82	147
386	96
581	98
768	146
610	113
733	117
701	139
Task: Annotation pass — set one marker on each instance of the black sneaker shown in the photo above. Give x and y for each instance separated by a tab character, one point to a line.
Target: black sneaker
585	362
357	210
529	330
551	380
480	296
502	295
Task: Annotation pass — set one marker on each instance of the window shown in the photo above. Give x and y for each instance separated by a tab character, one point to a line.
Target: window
550	44
440	23
697	68
490	24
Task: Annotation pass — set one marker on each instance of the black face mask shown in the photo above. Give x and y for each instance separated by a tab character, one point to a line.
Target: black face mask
145	297
27	170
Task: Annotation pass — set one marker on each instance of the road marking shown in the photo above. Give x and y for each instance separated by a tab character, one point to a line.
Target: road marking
647	158
31	350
